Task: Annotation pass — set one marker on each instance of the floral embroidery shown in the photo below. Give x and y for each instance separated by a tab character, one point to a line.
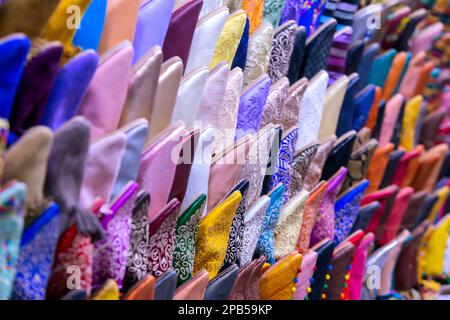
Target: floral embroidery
358	165
74	249
184	251
308	221
287	229
11	226
160	248
251	107
291	11
255	167
12	200
300	166
283	168
229	39
291	110
273	111
324	226
36	256
258	55
265	245
282	47
311	109
111	254
213	235
347	208
236	234
137	260
253	223
228	114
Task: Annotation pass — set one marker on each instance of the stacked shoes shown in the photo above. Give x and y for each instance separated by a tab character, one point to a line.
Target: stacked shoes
209	149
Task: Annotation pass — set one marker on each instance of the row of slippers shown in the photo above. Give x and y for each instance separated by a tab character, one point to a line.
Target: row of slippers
80	86
397	164
422	252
